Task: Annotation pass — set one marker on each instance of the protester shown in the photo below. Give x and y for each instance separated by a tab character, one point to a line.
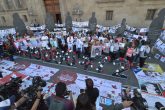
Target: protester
129	54
79	46
136	53
70	42
116	50
144	51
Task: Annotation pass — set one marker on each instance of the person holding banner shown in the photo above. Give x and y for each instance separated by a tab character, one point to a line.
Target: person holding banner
106	46
86	47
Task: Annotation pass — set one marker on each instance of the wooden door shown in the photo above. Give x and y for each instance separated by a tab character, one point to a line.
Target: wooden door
53	7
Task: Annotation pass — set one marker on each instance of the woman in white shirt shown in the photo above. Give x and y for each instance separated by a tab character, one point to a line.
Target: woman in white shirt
116	50
79	46
111	46
70	42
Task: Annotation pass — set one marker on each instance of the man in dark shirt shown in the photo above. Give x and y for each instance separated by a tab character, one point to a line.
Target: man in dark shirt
92	92
59	102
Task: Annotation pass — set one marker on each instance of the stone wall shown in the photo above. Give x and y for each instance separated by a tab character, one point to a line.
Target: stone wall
133	10
28	10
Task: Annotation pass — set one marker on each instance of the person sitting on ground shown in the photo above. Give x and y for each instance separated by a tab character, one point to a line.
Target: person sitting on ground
58	101
92	92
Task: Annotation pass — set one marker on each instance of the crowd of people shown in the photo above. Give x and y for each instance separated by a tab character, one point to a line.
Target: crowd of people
134	50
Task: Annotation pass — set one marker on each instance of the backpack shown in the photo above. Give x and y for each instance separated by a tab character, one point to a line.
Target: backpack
56	104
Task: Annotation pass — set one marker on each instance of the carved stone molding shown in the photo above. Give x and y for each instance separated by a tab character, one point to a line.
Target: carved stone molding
107	1
151	0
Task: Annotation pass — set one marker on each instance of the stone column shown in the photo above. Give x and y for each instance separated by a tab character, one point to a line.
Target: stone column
63	9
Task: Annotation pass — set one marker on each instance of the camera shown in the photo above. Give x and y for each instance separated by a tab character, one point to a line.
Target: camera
31	91
139	103
67	93
37	84
10	88
82	91
159	106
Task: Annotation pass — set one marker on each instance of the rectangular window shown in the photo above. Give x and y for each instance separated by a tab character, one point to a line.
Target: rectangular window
3	19
8	4
150	14
25	18
109	15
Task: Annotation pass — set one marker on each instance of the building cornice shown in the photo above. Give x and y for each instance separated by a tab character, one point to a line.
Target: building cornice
150	0
108	1
14	11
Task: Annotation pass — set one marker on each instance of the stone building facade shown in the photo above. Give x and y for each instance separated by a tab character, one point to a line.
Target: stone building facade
30	11
139	13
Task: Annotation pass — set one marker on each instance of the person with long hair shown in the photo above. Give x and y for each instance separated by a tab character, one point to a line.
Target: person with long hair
91	91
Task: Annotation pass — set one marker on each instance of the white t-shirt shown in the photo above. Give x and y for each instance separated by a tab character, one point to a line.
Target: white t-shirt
116	47
144	49
101	38
70	40
79	43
